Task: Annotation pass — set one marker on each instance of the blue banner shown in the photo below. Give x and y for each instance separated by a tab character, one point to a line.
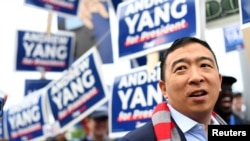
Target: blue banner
36	50
233	38
78	92
32	85
245	11
2	130
115	3
134	96
149	26
68	7
26	120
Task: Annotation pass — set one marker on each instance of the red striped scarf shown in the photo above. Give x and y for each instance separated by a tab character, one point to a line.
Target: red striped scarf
163	124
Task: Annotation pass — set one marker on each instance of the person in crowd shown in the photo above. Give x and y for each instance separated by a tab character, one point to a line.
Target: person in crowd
5	97
190	82
224	104
239	107
97	125
58	137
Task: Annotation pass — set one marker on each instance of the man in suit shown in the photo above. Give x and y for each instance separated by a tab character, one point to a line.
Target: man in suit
191	82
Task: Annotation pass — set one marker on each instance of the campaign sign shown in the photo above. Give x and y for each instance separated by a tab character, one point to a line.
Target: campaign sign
134	96
67	7
36	50
244	11
79	91
3	126
26	120
233	38
149	26
2	129
115	3
32	85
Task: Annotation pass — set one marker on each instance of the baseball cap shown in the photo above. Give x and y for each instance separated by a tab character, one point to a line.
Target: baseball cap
227	82
100	112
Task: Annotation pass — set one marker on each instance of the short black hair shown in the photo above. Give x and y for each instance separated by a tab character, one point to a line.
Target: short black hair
179	43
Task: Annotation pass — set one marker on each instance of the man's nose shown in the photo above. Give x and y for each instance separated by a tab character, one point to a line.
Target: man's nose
195	76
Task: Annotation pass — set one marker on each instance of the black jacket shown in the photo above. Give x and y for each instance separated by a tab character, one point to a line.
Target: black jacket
146	133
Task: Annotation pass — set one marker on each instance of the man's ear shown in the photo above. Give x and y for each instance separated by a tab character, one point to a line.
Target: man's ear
163	89
220	78
5	98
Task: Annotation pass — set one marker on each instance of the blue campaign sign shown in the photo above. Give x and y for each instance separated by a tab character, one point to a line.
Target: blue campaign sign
26	120
32	85
36	50
67	7
146	27
134	96
115	3
3	125
233	38
78	92
2	130
245	11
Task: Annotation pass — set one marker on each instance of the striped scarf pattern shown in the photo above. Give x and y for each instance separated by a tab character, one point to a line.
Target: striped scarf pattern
163	123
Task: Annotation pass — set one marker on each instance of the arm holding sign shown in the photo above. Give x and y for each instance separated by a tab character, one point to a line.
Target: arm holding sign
88	7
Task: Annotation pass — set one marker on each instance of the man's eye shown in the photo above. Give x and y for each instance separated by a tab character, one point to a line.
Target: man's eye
205	65
180	68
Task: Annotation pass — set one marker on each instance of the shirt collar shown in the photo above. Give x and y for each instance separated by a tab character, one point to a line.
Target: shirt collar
189	123
179	118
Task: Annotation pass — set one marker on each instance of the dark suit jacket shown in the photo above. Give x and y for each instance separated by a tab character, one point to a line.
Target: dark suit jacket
146	133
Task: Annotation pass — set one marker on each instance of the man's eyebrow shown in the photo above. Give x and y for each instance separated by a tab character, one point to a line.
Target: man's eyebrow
205	58
185	60
177	61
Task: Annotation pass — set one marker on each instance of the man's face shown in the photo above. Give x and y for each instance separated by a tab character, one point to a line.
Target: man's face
192	80
238	102
225	105
98	126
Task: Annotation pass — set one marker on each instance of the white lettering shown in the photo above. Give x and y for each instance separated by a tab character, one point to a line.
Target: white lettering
124	97
216	132
139	78
149	19
178	14
138	98
77	87
47	51
24	118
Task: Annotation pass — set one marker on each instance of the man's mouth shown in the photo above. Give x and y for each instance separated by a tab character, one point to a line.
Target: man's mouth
198	93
